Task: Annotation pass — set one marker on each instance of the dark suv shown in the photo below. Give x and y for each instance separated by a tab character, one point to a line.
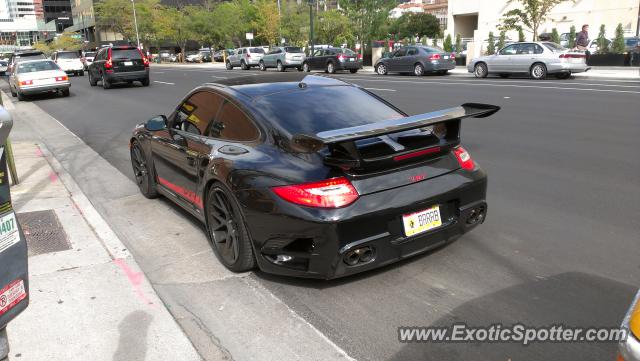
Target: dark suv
119	64
332	59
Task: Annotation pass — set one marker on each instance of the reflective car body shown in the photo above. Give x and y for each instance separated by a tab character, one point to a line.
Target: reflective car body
282	58
38	76
417	59
316	191
629	349
332	59
69	61
245	58
520	58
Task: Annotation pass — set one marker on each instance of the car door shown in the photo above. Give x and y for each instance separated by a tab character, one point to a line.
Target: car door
501	62
181	151
95	65
409	59
526	55
395	63
316	59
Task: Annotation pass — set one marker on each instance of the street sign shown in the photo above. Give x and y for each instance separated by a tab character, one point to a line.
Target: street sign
14	280
76	36
249	36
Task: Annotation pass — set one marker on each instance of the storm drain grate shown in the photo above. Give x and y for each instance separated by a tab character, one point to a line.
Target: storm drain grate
44	232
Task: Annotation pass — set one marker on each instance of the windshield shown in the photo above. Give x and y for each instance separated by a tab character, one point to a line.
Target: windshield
554	47
68	55
37	66
256	50
125	54
307	112
292	49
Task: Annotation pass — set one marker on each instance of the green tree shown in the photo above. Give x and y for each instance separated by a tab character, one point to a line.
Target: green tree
458	43
332	27
603	46
572	37
521	35
528	14
491	46
117	16
237	18
502	40
448	46
295	23
410	25
367	17
267	22
618	45
204	26
555	36
175	24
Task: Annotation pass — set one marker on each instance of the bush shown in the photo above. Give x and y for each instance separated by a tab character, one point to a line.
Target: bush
555	37
603	47
572	37
458	43
491	46
502	40
448	46
521	35
618	45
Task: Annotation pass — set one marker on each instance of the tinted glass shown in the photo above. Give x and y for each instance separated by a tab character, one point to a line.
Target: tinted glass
68	55
234	125
37	66
256	50
307	111
431	50
510	50
553	46
195	114
318	52
401	52
347	51
293	49
25	57
526	49
125	54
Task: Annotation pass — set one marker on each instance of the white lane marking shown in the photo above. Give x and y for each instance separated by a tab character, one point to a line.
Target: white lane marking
507	97
382	89
163	82
158	72
219	77
504	85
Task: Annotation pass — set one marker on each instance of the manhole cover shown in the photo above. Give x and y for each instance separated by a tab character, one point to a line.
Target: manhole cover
44	232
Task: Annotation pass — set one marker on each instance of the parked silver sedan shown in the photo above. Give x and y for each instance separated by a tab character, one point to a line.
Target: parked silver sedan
283	57
538	59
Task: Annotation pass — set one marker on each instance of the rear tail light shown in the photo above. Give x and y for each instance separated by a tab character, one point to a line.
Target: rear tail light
330	193
26	82
568	56
109	63
434	57
453	55
341	57
359	56
464	159
145	61
62	78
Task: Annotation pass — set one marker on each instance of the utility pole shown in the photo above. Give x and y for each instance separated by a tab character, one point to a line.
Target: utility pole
311	26
135	21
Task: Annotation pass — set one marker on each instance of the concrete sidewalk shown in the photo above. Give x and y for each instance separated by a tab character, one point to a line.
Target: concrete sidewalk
89	298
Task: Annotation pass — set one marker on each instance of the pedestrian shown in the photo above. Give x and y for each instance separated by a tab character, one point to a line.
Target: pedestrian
582	40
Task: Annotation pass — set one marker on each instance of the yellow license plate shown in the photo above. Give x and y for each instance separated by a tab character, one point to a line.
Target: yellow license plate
423	221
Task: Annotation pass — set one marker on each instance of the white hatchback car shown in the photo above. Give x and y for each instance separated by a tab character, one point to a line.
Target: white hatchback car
69	61
38	76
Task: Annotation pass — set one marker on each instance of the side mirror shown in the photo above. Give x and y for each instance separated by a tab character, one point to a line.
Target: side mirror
159	122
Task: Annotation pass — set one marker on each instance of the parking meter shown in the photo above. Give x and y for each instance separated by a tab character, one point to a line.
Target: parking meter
14	281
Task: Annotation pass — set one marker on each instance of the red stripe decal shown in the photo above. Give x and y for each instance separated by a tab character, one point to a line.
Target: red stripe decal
416	154
187	194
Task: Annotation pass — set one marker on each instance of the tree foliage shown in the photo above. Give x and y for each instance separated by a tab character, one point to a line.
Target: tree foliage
332	27
502	40
458	43
572	37
491	46
529	14
420	25
555	36
267	22
448	45
603	45
618	45
367	17
521	35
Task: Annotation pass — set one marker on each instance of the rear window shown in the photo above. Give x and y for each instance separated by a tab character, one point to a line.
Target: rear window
24	57
125	54
554	47
431	50
256	50
292	49
307	111
37	66
68	55
346	51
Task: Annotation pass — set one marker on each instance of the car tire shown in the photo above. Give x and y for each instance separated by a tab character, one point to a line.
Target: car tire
228	65
299	68
331	68
418	70
13	92
538	71
280	67
443	72
381	69
305	67
20	96
480	70
563	76
227	230
504	76
262	66
143	171
65	92
145	82
244	65
105	83
92	80
353	71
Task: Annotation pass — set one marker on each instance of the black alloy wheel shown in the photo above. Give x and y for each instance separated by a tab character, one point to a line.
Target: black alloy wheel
143	172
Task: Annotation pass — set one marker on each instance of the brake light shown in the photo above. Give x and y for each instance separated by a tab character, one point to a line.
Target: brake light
145	60
434	57
26	82
109	63
567	56
330	193
453	55
464	159
62	78
359	56
416	154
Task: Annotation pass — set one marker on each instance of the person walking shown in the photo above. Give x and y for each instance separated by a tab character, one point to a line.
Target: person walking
582	40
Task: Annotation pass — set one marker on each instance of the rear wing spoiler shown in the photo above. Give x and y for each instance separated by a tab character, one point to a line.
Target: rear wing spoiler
312	143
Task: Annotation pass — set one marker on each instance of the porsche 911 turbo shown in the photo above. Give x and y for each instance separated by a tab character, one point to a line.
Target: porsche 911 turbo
310	176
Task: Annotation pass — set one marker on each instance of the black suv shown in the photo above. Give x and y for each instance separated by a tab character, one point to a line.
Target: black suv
332	59
119	64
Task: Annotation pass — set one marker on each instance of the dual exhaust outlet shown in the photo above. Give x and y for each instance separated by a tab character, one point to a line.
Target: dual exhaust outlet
359	256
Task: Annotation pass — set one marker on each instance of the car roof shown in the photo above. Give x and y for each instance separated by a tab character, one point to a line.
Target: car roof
35	61
254	86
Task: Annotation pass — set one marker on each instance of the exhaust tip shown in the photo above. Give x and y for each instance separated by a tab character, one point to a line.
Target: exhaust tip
359	256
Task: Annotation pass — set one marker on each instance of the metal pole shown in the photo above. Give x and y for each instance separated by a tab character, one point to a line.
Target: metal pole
135	20
311	27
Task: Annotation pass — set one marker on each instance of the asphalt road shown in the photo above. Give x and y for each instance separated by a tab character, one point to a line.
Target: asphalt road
560	244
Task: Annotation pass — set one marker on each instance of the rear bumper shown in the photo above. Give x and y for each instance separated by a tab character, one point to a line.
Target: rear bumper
293	63
567	68
129	75
349	65
70	68
437	65
36	89
319	240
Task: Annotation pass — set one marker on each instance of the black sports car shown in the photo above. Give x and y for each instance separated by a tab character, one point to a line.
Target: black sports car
310	176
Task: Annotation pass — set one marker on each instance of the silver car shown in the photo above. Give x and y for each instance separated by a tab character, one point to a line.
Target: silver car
245	58
38	76
538	59
283	57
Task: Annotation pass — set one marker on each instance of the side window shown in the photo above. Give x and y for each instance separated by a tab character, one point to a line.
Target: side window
538	49
526	49
233	124
412	51
317	52
400	52
510	50
195	114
